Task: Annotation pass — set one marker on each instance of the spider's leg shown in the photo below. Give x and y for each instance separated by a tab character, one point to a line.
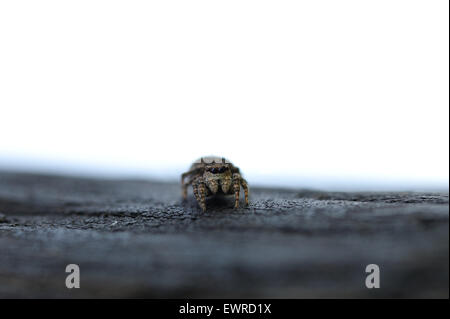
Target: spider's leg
191	172
195	189
200	192
184	187
183	176
238	180
245	187
236	188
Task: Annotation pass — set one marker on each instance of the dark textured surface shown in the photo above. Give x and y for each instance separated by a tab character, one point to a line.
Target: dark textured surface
137	239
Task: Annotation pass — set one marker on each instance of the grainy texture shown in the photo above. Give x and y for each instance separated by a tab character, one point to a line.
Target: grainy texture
138	239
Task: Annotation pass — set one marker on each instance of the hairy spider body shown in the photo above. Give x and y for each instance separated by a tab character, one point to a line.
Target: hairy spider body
213	175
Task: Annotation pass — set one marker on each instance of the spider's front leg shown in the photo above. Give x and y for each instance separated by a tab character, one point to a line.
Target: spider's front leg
238	180
199	188
245	187
184	186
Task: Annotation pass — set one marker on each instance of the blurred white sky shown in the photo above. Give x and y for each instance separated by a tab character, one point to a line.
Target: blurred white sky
325	94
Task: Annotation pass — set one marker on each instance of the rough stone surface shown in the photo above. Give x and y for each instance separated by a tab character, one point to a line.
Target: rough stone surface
136	238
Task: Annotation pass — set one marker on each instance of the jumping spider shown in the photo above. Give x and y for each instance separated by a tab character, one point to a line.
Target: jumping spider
211	176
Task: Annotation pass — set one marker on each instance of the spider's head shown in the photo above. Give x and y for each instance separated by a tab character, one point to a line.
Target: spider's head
218	175
218	169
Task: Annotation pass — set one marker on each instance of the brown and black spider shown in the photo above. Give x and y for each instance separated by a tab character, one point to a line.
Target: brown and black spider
213	175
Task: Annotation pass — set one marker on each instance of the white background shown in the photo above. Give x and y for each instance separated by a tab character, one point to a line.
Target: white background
323	94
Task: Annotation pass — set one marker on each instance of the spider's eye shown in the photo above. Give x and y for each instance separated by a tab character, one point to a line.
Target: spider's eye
222	169
214	170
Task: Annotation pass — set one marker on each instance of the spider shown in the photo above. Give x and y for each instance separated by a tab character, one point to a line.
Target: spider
213	175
